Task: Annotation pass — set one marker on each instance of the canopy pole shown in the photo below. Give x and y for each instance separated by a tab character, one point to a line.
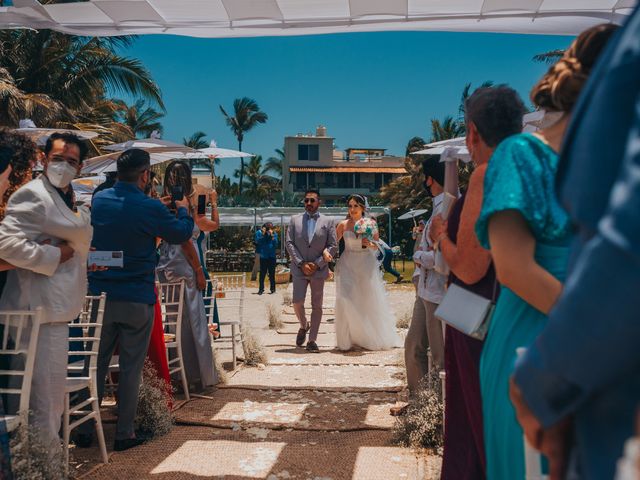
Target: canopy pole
389	235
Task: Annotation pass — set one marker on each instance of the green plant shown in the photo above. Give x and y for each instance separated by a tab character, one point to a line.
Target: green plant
422	424
153	416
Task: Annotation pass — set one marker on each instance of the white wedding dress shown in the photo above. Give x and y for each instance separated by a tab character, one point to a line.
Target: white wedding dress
363	315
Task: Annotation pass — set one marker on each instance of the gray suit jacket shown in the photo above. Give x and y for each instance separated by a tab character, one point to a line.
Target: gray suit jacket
586	362
302	249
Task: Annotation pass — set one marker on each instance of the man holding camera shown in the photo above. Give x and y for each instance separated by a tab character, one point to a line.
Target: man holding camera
125	219
267	242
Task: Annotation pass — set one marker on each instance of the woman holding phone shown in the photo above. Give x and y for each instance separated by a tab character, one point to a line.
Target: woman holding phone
207	225
182	263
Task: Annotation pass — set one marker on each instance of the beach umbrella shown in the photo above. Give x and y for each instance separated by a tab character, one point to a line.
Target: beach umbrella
40	135
412	214
148	143
108	163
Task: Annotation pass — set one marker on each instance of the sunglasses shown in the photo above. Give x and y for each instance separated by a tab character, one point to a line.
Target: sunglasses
309	200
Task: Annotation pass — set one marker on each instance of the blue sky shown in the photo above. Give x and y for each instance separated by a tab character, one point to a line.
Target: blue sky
370	89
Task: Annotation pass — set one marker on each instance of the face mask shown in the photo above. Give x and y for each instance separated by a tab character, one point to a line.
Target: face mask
60	174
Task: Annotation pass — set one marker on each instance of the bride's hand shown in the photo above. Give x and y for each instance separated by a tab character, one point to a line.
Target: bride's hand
368	243
327	256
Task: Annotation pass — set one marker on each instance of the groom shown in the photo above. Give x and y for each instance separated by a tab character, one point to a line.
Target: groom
307	237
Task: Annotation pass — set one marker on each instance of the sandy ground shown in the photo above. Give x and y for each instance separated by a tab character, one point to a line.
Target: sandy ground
300	416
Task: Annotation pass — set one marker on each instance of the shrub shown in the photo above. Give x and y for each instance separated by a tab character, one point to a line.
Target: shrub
254	352
153	416
421	426
32	458
404	320
275	320
287	299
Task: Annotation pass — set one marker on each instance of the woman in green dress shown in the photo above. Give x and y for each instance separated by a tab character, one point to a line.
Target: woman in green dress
528	233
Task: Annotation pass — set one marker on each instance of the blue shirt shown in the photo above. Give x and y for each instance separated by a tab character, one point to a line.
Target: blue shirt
124	218
267	244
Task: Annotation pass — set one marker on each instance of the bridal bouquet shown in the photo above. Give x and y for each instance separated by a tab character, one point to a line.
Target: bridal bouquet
366	228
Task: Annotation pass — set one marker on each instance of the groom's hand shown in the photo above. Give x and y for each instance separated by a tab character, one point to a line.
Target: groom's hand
309	268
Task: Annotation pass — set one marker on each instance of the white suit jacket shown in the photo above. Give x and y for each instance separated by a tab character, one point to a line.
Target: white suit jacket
36	213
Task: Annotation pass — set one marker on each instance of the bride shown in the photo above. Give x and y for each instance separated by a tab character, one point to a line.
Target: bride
362	316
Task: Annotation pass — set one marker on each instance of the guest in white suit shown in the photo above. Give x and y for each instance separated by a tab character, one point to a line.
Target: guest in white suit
48	240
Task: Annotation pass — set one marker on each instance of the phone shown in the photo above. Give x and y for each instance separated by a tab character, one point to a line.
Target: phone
202	204
177	193
5	157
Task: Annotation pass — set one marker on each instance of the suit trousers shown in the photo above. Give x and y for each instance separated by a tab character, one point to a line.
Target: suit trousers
127	325
267	265
300	285
425	333
49	378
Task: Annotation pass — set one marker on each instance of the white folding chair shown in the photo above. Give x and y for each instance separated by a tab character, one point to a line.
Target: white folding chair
19	339
229	292
83	374
171	302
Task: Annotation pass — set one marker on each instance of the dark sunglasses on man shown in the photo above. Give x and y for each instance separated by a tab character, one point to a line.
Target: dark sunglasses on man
309	200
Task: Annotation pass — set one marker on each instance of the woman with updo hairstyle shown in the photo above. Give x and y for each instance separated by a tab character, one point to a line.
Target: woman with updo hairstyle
528	233
181	263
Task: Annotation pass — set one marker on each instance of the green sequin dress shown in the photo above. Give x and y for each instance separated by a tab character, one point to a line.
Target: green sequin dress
520	177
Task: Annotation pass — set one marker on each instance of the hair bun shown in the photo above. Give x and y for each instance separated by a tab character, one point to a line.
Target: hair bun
558	90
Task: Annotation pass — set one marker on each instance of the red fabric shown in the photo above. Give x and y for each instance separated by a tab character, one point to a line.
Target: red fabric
157	352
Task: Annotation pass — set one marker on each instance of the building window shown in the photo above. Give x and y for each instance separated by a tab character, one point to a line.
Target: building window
329	180
382	179
344	180
312	180
301	181
356	180
309	152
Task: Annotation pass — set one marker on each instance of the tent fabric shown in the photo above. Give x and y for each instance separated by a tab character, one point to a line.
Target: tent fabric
250	18
401	170
248	217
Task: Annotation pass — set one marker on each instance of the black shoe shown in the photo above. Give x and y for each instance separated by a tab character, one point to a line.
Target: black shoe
301	337
260	292
312	347
126	444
83	440
272	292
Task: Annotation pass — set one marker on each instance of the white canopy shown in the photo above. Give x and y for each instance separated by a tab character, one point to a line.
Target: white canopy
249	18
243	216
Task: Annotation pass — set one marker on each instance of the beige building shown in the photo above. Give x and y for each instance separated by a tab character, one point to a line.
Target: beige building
312	162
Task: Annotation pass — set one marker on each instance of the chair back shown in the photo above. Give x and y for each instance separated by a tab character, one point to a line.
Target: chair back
229	292
19	341
84	336
171	302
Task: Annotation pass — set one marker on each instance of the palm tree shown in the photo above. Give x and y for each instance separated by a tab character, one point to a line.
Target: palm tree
58	79
257	181
549	57
276	164
415	144
142	119
197	140
448	128
246	115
